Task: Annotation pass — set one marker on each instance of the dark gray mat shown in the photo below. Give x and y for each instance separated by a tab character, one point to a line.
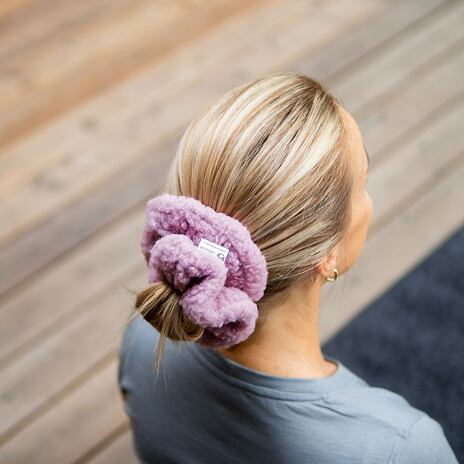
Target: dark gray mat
411	339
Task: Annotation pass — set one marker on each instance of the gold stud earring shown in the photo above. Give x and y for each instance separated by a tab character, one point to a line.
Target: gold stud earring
332	279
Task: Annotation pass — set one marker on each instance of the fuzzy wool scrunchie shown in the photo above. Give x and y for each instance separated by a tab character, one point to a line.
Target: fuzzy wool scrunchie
210	258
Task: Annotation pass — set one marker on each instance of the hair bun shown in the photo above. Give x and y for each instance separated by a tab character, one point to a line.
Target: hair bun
217	294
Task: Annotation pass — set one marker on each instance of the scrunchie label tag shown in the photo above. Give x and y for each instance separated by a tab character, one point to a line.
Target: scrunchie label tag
213	248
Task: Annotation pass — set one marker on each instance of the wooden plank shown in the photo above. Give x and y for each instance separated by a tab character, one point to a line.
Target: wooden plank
423	227
78	423
386	70
10	7
332	62
86	158
41	21
104	51
406	171
386	129
31	386
101	261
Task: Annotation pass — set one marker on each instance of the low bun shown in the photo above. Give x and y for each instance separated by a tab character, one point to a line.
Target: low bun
159	305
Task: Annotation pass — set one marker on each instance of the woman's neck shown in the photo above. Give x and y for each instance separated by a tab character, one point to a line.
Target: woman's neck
287	344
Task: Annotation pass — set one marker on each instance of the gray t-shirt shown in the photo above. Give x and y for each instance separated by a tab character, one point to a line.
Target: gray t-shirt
205	408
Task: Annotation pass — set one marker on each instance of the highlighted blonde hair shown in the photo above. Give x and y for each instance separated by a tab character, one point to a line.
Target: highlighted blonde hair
269	153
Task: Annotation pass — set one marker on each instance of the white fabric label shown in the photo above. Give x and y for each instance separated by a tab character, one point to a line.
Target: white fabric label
213	248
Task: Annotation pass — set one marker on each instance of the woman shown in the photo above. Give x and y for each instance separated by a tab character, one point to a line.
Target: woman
265	203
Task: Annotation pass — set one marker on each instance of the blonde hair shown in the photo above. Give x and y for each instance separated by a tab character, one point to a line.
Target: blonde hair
269	153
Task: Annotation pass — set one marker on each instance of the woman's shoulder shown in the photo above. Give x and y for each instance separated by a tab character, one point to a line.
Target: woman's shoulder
415	435
425	442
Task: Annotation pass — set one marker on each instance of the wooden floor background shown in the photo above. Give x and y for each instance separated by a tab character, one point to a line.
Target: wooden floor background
94	97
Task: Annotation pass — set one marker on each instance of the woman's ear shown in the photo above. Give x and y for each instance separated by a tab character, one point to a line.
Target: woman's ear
326	266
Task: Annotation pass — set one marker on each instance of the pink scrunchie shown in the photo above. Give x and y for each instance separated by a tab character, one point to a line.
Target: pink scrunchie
217	295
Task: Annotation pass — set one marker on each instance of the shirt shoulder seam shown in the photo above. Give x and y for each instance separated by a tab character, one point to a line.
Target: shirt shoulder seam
405	433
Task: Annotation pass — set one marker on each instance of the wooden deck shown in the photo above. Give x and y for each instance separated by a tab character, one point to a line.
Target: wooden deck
95	95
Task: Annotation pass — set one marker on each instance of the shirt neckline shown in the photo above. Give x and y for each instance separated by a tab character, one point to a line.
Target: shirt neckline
288	388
